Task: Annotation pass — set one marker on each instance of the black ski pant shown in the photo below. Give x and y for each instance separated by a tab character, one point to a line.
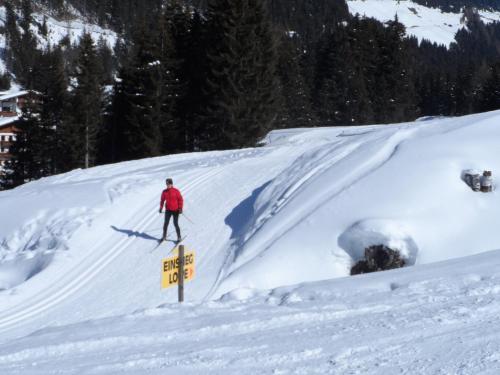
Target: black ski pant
168	215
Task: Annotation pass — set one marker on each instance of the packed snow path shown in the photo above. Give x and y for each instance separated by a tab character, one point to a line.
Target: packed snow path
115	248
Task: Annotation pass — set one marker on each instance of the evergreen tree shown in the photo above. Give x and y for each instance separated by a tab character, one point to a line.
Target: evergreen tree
13	36
241	83
463	91
52	87
36	151
192	75
137	100
173	39
295	104
22	167
29	156
106	60
396	99
5	81
27	55
490	98
341	95
83	118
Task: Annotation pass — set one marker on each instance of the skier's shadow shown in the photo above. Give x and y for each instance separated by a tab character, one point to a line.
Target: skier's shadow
132	233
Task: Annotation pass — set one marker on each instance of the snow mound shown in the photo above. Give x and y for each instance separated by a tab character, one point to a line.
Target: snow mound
373	232
30	249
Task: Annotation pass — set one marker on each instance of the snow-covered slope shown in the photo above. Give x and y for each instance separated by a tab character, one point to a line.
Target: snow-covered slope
431	320
57	30
423	22
275	230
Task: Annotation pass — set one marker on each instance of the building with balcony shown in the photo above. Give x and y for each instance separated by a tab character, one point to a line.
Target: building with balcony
11	105
12	102
7	137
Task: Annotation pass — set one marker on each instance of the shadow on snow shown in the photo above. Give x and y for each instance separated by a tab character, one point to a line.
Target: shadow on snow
242	216
132	233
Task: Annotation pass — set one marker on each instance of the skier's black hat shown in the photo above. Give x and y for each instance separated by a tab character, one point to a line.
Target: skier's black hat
169	181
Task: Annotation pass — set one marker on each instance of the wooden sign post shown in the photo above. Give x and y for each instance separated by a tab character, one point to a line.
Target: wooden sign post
178	269
181	273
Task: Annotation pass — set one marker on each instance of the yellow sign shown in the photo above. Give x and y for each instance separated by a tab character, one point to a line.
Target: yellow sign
170	269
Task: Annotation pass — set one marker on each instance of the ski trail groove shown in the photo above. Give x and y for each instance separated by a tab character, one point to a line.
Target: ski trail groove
48	300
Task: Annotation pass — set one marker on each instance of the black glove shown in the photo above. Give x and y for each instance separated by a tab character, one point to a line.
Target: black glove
180	211
160	211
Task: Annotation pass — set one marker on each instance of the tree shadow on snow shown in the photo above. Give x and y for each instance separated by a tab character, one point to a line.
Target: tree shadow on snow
132	233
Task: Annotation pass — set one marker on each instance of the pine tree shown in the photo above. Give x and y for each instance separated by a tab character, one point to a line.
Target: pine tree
192	75
463	90
22	167
13	36
396	99
30	160
5	81
241	83
342	98
295	105
106	60
52	87
26	55
83	119
137	100
173	39
490	98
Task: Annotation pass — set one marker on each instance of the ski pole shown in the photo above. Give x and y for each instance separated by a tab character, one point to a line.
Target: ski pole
191	221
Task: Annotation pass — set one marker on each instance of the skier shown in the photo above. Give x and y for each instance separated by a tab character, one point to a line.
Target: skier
171	198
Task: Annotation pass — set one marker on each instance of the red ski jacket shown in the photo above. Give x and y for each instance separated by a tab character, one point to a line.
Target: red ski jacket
173	199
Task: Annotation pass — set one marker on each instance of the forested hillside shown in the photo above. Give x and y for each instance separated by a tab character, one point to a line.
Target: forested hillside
189	76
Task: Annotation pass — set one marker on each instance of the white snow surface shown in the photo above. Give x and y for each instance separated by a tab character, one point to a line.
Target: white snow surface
275	230
420	21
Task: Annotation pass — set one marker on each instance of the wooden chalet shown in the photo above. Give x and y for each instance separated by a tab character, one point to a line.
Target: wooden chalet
11	104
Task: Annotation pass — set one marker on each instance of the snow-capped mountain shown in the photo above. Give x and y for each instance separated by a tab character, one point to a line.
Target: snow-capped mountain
423	22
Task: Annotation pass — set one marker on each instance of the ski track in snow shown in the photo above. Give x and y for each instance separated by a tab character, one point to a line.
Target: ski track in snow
88	270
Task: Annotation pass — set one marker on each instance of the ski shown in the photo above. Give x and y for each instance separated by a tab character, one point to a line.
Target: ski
176	243
158	245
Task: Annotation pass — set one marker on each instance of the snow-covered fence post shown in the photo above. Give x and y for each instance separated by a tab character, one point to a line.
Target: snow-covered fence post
181	274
